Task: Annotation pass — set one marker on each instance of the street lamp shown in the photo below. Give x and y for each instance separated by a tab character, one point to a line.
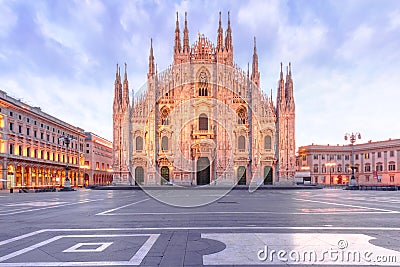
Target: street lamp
67	140
330	165
352	137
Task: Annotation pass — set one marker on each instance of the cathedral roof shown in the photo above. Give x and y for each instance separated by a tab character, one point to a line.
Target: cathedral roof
203	49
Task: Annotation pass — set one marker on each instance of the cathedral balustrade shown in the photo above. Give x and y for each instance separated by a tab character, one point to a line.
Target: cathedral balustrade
202	134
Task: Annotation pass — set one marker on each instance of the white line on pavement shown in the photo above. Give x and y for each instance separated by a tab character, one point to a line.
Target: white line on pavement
111	210
248	212
45	208
345	205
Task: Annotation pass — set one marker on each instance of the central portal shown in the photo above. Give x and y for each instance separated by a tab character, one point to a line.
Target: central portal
203	171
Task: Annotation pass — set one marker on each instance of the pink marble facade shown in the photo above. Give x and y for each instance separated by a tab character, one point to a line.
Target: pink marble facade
203	120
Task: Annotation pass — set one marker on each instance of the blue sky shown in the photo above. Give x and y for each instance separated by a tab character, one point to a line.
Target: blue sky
61	56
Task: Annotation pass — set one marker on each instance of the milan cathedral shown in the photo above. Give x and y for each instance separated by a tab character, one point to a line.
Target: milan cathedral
203	120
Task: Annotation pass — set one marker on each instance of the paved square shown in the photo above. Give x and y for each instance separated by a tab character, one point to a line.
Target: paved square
122	228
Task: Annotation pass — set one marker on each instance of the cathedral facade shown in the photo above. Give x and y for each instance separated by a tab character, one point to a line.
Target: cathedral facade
203	120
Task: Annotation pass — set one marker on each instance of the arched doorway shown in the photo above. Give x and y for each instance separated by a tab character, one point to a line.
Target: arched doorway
241	175
86	180
10	176
164	175
203	171
139	175
268	175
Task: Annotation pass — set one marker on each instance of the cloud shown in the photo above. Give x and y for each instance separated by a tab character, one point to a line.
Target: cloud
8	19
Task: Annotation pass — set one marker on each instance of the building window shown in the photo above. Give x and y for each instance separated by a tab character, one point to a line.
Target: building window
28	151
20	150
35	155
379	167
164	143
139	143
304	157
35	133
367	168
347	168
367	178
391	178
203	84
42	154
241	143
379	154
392	166
11	114
11	149
48	137
28	131
315	168
315	156
323	169
11	126
164	116
323	156
331	157
102	166
346	157
203	122
19	128
339	157
87	151
41	135
339	168
366	155
48	156
267	142
97	165
241	113
356	156
391	153
357	168
87	145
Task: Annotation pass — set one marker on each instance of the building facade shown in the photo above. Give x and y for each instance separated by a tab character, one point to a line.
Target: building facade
98	160
203	120
374	162
31	152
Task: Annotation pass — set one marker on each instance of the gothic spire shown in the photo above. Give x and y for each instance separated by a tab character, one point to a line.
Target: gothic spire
186	47
125	74
220	38
228	39
281	95
177	47
151	59
255	75
125	95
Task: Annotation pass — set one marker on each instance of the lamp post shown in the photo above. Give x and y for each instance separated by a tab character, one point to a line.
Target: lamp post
352	137
330	165
67	140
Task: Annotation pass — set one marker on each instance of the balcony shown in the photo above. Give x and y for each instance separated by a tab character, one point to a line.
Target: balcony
203	134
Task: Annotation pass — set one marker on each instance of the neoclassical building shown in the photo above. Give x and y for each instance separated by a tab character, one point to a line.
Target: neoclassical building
31	152
203	120
375	162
